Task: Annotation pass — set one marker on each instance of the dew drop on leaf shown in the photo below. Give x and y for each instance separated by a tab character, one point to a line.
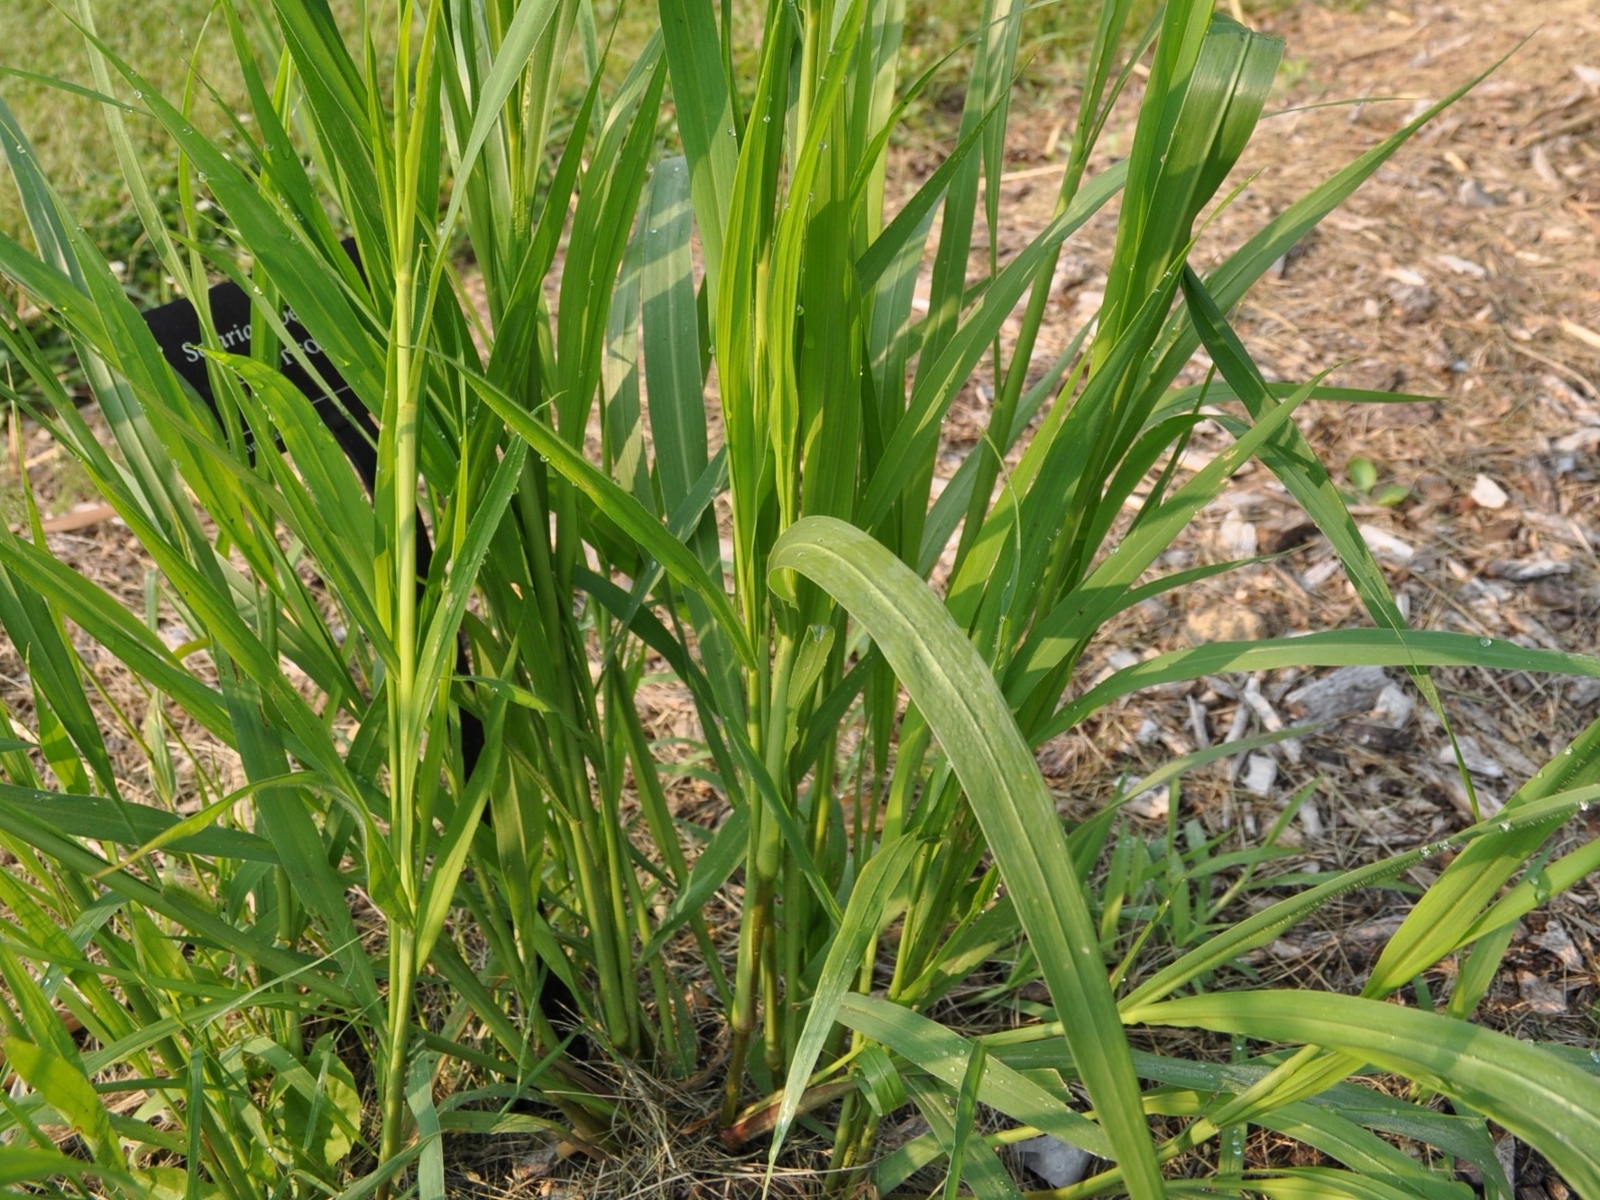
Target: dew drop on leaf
1485	641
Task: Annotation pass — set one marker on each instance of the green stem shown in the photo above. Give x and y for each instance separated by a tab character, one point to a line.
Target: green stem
402	980
603	938
752	930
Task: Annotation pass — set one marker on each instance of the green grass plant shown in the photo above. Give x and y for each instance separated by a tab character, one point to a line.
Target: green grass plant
421	874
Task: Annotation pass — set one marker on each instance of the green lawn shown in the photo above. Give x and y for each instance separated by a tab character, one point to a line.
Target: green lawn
67	130
159	38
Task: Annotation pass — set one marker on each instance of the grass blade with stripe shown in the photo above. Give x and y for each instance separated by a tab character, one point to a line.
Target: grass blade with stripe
864	917
964	707
1335	648
1546	1101
943	1054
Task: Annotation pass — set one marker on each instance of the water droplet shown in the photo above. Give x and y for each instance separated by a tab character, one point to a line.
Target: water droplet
202	175
654	231
1505	826
1485	641
1084	950
767	120
268	147
799	310
824	145
731	133
1594	1056
1568	752
138	95
544	458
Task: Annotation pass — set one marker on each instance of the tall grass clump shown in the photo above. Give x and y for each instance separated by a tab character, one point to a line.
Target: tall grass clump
435	892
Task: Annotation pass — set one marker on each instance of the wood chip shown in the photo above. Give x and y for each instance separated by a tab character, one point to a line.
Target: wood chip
80	517
1464	266
1151	804
1268	716
1477	760
1385	545
1472	195
1527	570
1339	694
1541	995
1581	333
1394	707
1557	941
1260	773
1486	493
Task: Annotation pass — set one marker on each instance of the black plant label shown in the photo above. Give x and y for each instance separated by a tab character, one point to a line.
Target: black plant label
176	327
